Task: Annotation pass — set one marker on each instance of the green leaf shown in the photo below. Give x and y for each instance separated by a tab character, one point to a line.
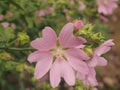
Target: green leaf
6	34
29	21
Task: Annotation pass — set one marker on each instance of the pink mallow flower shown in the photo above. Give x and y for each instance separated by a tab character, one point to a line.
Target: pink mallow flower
5	24
82	6
78	24
59	55
45	11
107	6
96	60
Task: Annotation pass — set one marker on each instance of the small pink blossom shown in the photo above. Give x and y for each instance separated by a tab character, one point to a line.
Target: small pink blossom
78	24
46	11
107	6
68	17
82	6
97	60
5	24
59	55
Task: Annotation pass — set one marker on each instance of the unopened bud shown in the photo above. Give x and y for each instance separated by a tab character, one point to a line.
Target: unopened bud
5	56
23	38
89	51
78	24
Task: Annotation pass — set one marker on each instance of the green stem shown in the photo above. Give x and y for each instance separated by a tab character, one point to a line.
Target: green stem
17	49
12	42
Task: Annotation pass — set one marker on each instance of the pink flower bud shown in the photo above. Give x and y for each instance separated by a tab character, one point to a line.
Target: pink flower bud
78	24
104	19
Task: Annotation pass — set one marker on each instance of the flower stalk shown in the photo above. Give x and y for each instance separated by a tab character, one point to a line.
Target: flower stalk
17	49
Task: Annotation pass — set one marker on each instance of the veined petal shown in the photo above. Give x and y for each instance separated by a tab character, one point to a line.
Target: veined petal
102	61
60	69
93	62
89	79
80	76
92	77
80	46
42	67
38	56
67	39
77	53
68	74
47	41
102	9
55	73
105	47
77	64
97	61
66	33
74	41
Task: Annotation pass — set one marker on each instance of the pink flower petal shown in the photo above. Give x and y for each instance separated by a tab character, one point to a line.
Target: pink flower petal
77	53
68	74
39	55
102	61
106	6
67	39
55	73
92	77
104	19
93	62
105	47
47	41
42	67
77	64
103	10
89	79
80	76
80	46
97	61
60	69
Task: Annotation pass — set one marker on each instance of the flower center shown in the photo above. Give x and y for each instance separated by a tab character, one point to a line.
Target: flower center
58	52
